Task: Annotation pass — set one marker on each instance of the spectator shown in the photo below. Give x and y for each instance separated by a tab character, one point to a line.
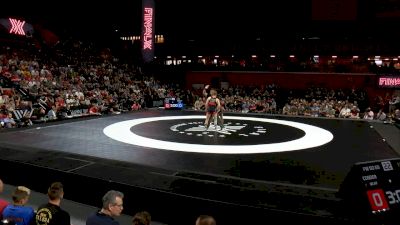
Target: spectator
205	220
94	110
396	116
112	207
9	121
135	106
345	112
394	103
286	109
381	115
51	213
354	112
52	113
368	114
141	218
18	213
198	104
3	203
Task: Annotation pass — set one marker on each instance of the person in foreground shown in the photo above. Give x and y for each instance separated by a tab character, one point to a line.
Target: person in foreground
112	207
51	213
141	218
3	203
18	212
205	220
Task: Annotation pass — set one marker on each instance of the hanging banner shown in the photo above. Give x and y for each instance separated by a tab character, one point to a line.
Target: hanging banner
148	30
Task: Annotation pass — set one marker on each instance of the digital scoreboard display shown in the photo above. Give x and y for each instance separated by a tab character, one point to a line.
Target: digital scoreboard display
173	103
374	187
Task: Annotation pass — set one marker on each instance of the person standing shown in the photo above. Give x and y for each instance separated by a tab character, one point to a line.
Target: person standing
220	113
51	213
112	207
3	203
213	106
17	212
205	220
141	218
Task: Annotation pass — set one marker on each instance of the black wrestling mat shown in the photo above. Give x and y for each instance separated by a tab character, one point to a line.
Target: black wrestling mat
283	164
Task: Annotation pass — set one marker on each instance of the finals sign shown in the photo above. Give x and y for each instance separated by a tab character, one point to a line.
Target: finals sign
389	82
148	30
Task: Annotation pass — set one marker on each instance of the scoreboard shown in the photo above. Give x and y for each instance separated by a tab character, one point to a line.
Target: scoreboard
381	180
373	188
173	103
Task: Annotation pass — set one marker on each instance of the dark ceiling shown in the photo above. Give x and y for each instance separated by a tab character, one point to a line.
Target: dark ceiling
211	19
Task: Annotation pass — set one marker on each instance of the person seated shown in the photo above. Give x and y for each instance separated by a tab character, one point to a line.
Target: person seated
3	115
381	115
345	112
369	114
52	113
9	121
135	106
354	112
94	110
199	104
396	116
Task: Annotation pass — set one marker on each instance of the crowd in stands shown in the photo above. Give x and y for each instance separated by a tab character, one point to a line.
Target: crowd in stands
75	79
314	102
35	88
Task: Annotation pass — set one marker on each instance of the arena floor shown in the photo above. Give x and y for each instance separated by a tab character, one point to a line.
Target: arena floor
171	151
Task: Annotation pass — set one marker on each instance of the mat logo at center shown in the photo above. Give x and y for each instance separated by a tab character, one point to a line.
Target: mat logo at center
198	129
